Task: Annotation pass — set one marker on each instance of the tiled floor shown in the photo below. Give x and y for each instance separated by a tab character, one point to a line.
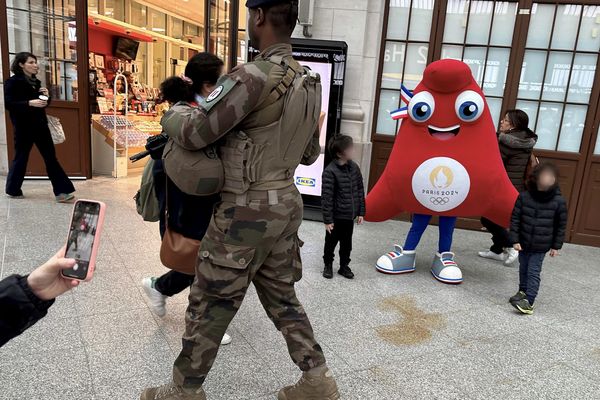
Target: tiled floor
452	342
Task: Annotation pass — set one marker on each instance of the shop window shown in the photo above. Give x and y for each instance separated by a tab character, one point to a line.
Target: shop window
597	149
92	6
176	28
49	33
159	62
115	9
242	53
558	72
219	29
404	56
139	15
158	21
480	34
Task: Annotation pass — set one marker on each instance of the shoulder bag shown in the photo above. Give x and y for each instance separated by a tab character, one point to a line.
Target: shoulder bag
56	130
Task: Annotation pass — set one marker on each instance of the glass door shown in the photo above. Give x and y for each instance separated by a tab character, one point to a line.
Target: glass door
50	29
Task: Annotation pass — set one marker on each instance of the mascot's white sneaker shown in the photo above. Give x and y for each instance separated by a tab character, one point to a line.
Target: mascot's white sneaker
399	261
445	269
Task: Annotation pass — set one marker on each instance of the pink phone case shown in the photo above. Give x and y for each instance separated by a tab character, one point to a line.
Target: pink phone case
96	245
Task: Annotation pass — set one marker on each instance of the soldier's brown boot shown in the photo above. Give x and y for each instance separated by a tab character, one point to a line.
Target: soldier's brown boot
317	384
171	391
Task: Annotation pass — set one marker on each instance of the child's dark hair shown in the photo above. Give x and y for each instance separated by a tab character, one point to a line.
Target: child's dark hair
203	68
339	144
538	170
175	89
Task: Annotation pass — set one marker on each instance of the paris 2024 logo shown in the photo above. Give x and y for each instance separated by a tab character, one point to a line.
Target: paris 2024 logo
441	184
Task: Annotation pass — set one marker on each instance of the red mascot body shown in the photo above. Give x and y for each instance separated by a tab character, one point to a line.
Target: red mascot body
445	162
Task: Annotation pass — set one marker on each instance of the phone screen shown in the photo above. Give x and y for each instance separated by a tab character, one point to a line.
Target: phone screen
82	233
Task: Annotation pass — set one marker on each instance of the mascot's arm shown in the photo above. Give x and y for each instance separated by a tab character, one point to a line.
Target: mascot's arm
503	205
380	202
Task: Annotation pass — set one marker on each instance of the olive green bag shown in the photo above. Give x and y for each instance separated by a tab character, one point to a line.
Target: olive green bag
146	201
197	173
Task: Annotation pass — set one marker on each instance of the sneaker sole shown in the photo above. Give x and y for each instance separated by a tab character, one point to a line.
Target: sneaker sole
448	281
335	396
526	312
391	272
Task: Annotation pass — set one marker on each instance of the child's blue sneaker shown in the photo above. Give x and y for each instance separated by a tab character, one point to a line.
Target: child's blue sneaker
399	261
445	269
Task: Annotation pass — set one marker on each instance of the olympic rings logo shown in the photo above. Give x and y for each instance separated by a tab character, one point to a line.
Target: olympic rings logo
439	201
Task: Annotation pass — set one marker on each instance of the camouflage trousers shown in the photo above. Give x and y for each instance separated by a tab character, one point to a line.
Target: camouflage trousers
253	243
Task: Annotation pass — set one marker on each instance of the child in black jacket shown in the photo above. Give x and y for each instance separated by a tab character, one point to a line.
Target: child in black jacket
538	225
343	201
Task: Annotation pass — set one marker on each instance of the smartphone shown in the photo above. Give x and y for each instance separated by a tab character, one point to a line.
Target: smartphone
84	238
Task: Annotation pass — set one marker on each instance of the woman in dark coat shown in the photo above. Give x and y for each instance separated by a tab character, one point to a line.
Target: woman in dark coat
516	143
26	100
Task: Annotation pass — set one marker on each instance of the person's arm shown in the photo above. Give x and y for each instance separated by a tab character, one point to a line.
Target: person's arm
237	95
515	221
24	300
13	97
361	193
327	190
560	225
515	142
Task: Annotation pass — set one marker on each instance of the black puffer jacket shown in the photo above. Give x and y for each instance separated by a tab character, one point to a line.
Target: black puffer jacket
343	192
515	149
539	220
19	307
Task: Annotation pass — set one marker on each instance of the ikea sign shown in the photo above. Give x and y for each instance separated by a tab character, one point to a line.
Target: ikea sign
307	182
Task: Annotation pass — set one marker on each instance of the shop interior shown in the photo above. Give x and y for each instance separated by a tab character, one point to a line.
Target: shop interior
133	46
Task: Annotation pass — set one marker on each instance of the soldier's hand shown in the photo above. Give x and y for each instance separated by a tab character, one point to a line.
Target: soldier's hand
329	227
360	220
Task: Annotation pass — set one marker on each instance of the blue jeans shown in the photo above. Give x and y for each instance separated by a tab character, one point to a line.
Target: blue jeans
530	269
419	224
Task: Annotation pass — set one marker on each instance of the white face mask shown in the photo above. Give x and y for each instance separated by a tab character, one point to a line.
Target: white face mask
199	98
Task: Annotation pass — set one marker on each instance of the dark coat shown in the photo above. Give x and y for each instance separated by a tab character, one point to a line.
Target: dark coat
18	90
19	307
539	220
343	192
515	149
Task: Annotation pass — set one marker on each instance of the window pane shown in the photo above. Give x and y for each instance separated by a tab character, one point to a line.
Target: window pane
141	61
453	52
138	15
420	20
18	31
159	64
115	9
398	19
158	21
475	59
505	15
495	105
565	27
557	76
548	124
456	21
393	62
495	72
532	74
388	101
589	37
416	61
582	78
530	108
176	28
93	6
540	25
480	19
597	149
572	128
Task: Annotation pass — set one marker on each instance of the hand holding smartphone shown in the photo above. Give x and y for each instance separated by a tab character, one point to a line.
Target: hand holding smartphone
83	239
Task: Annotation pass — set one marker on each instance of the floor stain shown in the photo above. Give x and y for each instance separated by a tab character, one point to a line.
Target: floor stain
415	326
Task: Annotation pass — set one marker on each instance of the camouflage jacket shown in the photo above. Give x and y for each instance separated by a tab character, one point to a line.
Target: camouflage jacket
236	104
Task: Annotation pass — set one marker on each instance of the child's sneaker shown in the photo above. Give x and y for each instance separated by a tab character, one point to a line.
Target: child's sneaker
328	271
524	306
517	297
346	272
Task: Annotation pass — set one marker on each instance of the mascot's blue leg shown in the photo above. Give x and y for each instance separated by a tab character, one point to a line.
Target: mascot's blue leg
402	259
444	268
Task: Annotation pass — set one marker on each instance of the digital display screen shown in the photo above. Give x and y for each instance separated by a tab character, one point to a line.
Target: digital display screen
82	234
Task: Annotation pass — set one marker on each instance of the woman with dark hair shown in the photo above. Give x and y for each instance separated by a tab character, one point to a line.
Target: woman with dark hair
188	215
26	101
516	143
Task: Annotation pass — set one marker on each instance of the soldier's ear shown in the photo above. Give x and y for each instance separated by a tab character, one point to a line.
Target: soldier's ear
261	16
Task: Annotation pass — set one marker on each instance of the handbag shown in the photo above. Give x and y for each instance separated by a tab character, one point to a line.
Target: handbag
178	252
146	202
56	130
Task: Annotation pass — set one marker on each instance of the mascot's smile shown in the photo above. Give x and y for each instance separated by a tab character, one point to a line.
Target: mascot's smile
443	133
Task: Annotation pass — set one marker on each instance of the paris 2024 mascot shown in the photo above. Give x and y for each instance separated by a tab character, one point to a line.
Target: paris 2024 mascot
445	162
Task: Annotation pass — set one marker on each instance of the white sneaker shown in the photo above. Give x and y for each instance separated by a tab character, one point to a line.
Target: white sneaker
158	301
492	256
511	255
226	339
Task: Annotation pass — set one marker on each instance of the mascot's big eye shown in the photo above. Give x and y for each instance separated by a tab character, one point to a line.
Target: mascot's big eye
421	106
469	106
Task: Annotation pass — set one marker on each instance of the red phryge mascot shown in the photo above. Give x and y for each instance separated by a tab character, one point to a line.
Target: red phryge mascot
445	162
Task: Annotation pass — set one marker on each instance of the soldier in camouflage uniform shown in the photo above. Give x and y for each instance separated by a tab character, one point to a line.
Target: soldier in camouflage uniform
264	115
